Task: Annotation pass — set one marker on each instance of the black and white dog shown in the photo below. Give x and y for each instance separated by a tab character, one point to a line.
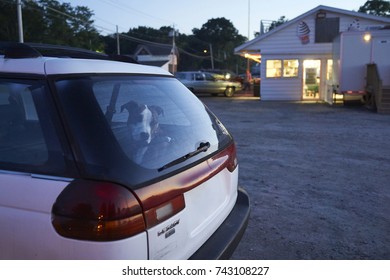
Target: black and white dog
143	123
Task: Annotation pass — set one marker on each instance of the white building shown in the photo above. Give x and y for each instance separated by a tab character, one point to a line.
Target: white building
164	56
296	57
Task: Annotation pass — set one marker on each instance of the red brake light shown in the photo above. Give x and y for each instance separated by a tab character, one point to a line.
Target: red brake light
97	211
232	161
231	153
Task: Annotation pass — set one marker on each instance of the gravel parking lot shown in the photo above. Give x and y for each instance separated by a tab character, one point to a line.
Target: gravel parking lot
318	177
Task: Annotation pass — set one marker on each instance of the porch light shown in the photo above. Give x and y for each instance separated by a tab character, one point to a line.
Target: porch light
254	57
367	37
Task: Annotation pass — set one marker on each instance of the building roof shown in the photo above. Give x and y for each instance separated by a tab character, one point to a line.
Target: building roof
156	50
246	47
159	63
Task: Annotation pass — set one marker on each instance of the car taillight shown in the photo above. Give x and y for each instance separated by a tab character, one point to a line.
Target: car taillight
97	211
231	153
232	161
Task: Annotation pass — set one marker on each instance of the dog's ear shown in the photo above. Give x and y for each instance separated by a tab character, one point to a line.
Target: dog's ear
157	109
130	106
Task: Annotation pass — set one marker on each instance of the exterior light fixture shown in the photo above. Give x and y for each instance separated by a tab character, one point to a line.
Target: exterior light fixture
321	15
367	37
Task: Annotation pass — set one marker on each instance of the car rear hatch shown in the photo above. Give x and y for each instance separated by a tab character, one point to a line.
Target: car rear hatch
209	192
184	177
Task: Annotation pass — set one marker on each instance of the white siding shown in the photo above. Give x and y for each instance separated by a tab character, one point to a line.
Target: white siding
283	43
280	88
290	88
287	42
357	24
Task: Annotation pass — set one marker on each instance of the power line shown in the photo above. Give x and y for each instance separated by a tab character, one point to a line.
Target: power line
123	36
138	40
121	6
126	7
50	9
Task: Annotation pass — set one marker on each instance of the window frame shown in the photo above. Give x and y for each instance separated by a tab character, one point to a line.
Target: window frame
295	69
280	72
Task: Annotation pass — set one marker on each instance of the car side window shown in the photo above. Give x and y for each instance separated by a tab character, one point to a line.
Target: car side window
23	146
180	76
199	77
209	77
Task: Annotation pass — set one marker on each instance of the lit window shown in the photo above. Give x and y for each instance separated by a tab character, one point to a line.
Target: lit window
282	68
274	69
290	68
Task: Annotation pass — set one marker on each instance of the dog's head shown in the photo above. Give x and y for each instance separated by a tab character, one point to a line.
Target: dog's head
142	121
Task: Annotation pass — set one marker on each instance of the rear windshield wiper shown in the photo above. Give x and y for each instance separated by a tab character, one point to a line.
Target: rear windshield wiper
203	147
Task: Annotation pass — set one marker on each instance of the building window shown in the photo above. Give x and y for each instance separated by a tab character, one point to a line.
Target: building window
282	68
290	68
274	69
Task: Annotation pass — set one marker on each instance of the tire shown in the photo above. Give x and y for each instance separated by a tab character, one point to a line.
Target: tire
229	92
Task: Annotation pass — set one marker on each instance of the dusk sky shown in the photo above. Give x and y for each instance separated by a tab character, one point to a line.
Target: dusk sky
186	15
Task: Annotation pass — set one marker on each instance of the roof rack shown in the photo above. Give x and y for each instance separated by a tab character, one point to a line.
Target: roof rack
33	50
17	50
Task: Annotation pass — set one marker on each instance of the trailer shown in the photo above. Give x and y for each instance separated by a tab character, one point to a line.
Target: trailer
353	52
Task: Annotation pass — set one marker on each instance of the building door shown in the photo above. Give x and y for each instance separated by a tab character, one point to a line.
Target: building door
311	79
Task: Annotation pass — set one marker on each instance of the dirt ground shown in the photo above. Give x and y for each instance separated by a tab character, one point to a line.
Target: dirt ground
318	177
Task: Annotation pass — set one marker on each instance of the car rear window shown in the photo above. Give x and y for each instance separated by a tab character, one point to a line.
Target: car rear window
107	115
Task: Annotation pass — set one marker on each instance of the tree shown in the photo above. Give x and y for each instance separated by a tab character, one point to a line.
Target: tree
376	7
54	22
194	53
8	21
278	22
136	36
223	37
51	22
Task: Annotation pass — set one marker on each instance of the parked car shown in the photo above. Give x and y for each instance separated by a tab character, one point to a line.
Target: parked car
204	82
102	159
225	75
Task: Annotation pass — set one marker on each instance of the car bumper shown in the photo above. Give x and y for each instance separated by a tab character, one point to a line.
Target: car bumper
223	242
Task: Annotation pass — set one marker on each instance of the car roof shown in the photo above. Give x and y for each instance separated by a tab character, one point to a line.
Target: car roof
22	58
53	66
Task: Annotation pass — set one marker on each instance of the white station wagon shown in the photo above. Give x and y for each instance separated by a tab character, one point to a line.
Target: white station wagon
101	159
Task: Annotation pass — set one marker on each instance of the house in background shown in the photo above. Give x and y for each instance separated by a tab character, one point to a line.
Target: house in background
164	56
297	56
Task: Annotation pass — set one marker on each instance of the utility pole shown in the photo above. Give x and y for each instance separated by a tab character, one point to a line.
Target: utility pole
211	56
173	52
173	61
20	20
249	18
118	48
